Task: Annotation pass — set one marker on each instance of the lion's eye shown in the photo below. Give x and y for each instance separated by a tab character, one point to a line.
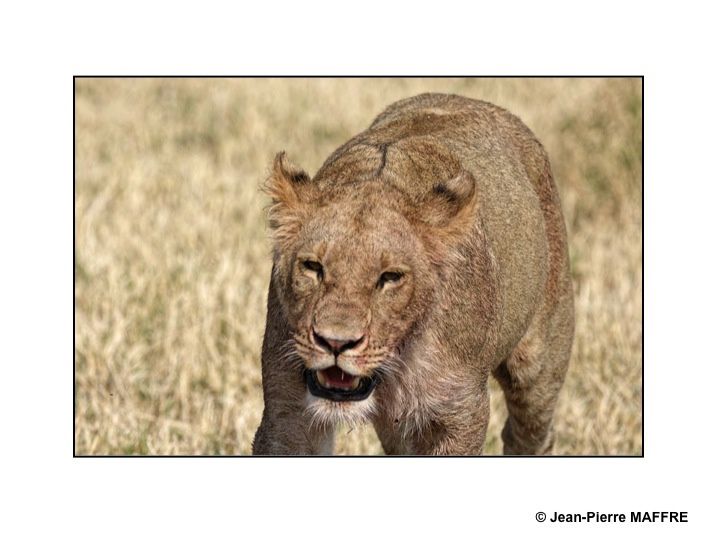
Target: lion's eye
313	266
389	277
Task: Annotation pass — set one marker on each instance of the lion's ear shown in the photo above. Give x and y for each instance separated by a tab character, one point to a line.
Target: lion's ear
288	187
448	213
450	206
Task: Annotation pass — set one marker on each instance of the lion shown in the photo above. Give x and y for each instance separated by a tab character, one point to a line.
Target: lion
427	253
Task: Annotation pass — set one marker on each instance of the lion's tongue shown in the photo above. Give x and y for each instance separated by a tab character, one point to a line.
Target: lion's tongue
337	378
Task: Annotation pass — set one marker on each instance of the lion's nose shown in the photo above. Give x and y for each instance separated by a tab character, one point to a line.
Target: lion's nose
336	344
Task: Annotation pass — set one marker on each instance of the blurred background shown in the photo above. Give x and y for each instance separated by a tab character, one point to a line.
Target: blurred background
172	259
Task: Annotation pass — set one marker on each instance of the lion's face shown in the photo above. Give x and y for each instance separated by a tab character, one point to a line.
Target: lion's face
354	275
354	286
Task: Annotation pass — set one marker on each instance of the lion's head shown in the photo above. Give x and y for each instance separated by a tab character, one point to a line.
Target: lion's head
356	268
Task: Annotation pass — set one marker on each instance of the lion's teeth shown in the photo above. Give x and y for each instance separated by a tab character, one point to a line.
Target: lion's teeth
346	382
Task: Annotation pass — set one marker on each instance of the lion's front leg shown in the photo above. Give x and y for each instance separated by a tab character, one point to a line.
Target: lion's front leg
458	428
286	427
286	431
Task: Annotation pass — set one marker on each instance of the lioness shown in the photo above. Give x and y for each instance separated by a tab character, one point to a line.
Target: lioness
426	253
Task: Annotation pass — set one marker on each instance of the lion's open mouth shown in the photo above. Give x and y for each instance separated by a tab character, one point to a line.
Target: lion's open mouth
335	384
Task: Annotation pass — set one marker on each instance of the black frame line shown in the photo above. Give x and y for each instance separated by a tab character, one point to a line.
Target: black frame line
642	281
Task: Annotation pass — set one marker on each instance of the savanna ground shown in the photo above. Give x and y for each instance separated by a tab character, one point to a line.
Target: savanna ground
172	258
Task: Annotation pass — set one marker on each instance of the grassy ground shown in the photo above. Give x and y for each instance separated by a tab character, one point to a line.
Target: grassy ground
172	259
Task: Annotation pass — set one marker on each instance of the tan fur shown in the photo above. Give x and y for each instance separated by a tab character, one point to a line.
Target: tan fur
459	196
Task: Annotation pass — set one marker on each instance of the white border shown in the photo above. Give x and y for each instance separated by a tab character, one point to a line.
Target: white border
46	491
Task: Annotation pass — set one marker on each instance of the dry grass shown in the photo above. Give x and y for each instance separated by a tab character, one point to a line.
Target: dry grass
172	259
